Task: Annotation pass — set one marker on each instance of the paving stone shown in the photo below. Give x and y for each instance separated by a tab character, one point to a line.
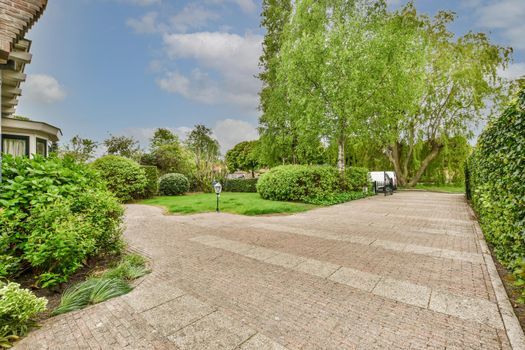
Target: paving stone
403	291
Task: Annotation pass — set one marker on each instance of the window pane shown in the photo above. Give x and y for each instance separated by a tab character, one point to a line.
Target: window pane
15	147
41	147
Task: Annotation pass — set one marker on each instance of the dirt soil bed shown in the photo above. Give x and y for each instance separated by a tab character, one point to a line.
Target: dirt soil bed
53	294
512	291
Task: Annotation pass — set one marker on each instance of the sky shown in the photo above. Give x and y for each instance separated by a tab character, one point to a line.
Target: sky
127	67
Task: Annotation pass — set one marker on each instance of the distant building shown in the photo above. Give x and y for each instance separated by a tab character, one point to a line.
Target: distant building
18	136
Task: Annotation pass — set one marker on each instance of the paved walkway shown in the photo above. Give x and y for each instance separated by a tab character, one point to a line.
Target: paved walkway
409	271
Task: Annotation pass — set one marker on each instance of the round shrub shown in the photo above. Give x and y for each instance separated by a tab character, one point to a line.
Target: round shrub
124	177
173	184
299	182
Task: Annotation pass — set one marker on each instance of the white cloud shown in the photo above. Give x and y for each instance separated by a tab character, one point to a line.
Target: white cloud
513	71
233	57
43	88
230	132
145	24
192	16
506	15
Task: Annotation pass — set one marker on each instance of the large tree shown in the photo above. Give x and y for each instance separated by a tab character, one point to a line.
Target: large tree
244	156
200	140
460	84
338	63
80	149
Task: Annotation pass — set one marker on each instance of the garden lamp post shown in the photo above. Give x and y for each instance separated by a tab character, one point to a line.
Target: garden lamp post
218	189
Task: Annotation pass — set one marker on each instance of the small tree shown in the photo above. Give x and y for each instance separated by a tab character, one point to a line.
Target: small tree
80	149
244	156
123	146
161	137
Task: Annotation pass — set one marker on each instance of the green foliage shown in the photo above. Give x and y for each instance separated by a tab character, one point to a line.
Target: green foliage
91	291
173	184
162	137
202	144
497	177
17	309
123	146
124	177
152	176
80	149
110	284
337	198
244	156
56	213
355	178
240	185
298	182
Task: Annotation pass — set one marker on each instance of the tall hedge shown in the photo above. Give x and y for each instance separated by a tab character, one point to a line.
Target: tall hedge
497	182
152	177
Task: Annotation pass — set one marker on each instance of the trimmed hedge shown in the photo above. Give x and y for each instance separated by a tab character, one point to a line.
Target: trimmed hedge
173	184
240	185
298	182
355	179
152	177
497	174
124	177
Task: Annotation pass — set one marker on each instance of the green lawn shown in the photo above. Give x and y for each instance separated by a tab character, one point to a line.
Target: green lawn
439	188
231	202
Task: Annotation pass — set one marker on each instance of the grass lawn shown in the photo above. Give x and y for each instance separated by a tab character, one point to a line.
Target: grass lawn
231	202
439	188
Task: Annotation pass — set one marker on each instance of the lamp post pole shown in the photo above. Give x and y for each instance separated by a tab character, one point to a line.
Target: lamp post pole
218	195
218	188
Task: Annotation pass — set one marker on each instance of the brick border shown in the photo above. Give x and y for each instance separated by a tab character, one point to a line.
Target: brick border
510	321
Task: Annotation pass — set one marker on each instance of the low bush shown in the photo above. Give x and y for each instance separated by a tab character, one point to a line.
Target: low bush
124	177
298	182
18	307
355	178
240	185
496	169
173	184
337	198
152	185
55	214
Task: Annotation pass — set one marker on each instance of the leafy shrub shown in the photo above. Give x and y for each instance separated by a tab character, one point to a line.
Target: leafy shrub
240	185
124	177
355	178
131	267
17	309
298	182
496	170
337	198
173	184
152	176
55	215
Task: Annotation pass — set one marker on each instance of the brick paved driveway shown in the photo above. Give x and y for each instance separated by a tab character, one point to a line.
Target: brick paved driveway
408	271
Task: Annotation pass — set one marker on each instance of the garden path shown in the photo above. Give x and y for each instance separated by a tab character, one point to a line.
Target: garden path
405	271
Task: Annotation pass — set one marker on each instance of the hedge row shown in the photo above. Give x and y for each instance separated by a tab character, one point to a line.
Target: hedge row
240	185
497	175
311	183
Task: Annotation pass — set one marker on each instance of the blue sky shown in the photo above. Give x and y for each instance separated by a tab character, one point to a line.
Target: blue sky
126	67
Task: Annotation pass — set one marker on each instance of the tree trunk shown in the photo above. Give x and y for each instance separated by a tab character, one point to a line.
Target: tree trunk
436	148
341	155
395	159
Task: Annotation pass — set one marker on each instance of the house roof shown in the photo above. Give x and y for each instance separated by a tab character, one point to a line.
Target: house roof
31	126
16	18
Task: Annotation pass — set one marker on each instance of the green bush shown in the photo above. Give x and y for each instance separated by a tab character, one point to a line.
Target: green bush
152	177
497	174
240	185
337	198
298	182
173	184
17	309
55	214
124	177
355	179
